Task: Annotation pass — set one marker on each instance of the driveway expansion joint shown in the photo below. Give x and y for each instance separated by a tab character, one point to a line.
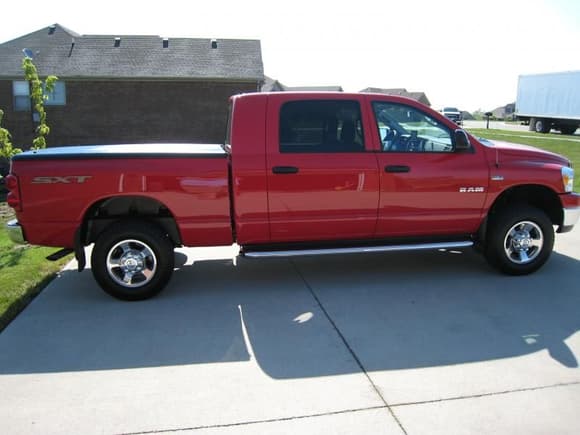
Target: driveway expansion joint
347	345
492	394
248	423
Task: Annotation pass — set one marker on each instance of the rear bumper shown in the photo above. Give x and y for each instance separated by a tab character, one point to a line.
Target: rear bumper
15	232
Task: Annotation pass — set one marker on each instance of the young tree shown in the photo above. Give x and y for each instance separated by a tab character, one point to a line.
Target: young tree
6	148
38	95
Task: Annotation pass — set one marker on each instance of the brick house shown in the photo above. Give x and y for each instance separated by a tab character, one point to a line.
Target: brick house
421	97
272	85
128	89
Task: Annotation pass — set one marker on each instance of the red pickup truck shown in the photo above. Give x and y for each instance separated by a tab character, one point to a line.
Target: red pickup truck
299	174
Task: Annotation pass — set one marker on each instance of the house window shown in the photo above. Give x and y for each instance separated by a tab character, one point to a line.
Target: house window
58	95
21	93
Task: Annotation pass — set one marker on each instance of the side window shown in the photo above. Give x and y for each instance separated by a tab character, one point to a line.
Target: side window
321	126
404	129
21	96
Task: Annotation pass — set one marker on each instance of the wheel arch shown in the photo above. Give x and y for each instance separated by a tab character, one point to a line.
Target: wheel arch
105	211
535	195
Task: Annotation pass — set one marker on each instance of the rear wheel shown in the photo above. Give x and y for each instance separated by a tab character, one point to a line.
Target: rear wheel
132	260
542	126
568	129
520	240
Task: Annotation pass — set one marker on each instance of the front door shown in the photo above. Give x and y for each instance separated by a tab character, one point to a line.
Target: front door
427	187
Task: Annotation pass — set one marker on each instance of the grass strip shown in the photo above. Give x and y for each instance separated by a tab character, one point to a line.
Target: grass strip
24	272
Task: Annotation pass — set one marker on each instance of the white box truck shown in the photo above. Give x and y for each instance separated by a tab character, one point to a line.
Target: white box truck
549	101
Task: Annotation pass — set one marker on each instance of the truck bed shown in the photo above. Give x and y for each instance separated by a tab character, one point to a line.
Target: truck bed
188	182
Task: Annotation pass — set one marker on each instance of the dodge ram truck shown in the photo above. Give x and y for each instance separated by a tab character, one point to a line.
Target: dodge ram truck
298	174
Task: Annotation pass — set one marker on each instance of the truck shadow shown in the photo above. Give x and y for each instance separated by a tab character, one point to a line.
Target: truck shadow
396	311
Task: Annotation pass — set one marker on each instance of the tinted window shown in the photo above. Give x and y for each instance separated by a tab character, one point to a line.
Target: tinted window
405	129
321	127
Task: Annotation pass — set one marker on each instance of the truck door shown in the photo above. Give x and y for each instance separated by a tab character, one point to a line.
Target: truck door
427	187
323	183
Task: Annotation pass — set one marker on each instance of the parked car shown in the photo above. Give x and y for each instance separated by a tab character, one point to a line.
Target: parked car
453	113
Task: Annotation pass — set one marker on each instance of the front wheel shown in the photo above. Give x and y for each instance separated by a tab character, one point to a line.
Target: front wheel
132	260
520	240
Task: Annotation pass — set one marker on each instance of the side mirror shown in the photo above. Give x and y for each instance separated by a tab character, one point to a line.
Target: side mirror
461	140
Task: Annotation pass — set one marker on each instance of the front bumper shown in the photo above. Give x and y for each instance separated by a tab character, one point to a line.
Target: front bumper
15	232
571	212
571	216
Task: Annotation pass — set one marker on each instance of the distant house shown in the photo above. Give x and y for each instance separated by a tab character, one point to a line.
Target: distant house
272	85
504	112
418	96
127	89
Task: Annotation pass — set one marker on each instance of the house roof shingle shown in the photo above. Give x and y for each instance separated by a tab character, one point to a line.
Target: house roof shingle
69	55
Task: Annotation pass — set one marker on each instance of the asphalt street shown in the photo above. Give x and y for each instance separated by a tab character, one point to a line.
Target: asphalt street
395	343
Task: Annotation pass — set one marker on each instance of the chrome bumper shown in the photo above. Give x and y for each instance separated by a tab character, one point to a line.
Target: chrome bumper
15	232
571	216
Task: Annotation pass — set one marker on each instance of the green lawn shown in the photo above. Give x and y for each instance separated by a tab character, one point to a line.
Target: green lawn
568	146
24	271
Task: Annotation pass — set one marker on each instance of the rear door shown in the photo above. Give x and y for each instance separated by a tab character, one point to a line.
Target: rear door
427	187
323	181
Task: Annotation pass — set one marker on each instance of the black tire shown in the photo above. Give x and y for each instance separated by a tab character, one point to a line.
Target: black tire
568	129
542	126
519	240
132	260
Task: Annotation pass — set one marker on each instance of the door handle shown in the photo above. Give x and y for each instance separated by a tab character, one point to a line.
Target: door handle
397	168
285	170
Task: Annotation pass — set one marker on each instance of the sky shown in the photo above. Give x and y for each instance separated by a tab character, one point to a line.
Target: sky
467	53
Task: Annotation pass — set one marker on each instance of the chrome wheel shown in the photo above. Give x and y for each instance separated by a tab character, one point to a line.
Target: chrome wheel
131	263
523	242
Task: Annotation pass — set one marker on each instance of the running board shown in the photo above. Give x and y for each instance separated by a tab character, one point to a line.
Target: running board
357	250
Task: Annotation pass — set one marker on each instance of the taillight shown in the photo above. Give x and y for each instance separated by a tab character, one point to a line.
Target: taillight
13	198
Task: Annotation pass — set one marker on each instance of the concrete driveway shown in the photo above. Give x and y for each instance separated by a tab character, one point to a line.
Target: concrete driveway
417	343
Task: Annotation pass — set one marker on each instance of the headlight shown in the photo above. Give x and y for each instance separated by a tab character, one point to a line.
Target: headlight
568	179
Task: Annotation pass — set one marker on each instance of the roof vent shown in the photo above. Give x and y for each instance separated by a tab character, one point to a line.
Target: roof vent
214	43
165	42
52	29
117	42
72	46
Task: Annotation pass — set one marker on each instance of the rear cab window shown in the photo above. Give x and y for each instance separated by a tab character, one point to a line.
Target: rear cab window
321	126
